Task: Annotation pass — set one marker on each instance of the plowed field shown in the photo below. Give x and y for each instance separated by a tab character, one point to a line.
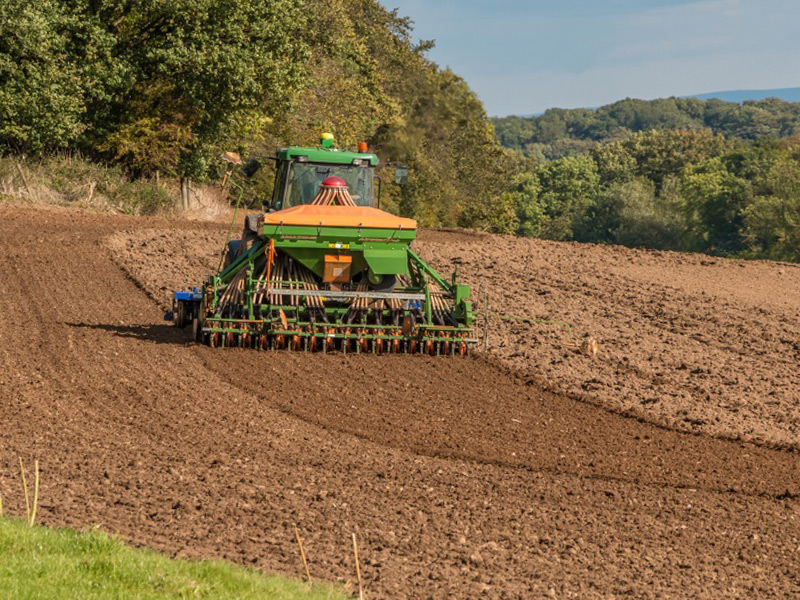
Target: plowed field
663	467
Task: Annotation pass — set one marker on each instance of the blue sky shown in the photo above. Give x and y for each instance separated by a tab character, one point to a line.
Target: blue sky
524	57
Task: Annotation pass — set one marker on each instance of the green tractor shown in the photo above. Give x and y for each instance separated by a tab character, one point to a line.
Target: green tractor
324	269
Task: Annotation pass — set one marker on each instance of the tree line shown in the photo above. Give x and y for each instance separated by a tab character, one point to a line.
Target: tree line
162	87
674	189
562	132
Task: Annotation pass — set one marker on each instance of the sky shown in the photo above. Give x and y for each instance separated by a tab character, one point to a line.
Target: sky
524	57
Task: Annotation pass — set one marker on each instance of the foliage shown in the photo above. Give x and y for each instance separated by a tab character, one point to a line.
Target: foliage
646	220
568	187
715	199
41	85
49	563
558	132
674	189
158	88
71	180
524	196
142	198
656	154
772	222
161	87
199	69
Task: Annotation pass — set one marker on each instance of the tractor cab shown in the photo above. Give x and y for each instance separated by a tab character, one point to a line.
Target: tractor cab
301	170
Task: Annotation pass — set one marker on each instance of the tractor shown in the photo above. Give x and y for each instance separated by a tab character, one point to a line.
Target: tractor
324	269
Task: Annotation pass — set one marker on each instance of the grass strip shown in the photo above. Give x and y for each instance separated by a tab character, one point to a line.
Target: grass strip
39	563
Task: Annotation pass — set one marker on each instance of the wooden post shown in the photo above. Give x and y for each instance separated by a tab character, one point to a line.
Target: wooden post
185	193
358	569
302	553
24	179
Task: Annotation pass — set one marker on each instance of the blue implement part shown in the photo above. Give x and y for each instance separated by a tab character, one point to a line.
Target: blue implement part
193	296
185	306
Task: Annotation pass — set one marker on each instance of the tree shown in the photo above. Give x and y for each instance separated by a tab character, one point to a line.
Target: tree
715	201
615	163
772	222
659	153
203	71
647	220
751	120
41	85
568	187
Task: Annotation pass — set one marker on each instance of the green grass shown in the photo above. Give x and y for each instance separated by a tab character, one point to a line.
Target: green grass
42	563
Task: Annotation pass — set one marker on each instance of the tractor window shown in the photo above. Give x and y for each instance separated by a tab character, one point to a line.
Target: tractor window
280	185
304	180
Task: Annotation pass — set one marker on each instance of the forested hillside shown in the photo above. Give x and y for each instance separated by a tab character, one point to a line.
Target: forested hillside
675	189
560	132
676	174
161	87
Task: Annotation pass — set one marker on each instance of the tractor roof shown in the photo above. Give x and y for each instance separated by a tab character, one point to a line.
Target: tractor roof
325	155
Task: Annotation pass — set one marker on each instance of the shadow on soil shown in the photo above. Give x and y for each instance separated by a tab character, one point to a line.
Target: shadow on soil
160	334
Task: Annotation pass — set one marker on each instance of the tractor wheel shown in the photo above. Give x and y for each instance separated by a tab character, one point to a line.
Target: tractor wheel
180	315
233	252
197	329
386	284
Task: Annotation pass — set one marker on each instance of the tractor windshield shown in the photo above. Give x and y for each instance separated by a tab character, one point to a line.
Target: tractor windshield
304	180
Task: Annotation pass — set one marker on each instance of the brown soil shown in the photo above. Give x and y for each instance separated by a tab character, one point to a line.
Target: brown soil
690	342
462	478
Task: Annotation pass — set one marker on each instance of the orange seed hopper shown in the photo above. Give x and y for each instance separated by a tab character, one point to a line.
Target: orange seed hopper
312	215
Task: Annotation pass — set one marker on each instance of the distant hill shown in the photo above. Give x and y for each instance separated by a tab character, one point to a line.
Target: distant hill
560	132
738	96
787	94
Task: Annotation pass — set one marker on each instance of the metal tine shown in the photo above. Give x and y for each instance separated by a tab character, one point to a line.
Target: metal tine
291	278
228	294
